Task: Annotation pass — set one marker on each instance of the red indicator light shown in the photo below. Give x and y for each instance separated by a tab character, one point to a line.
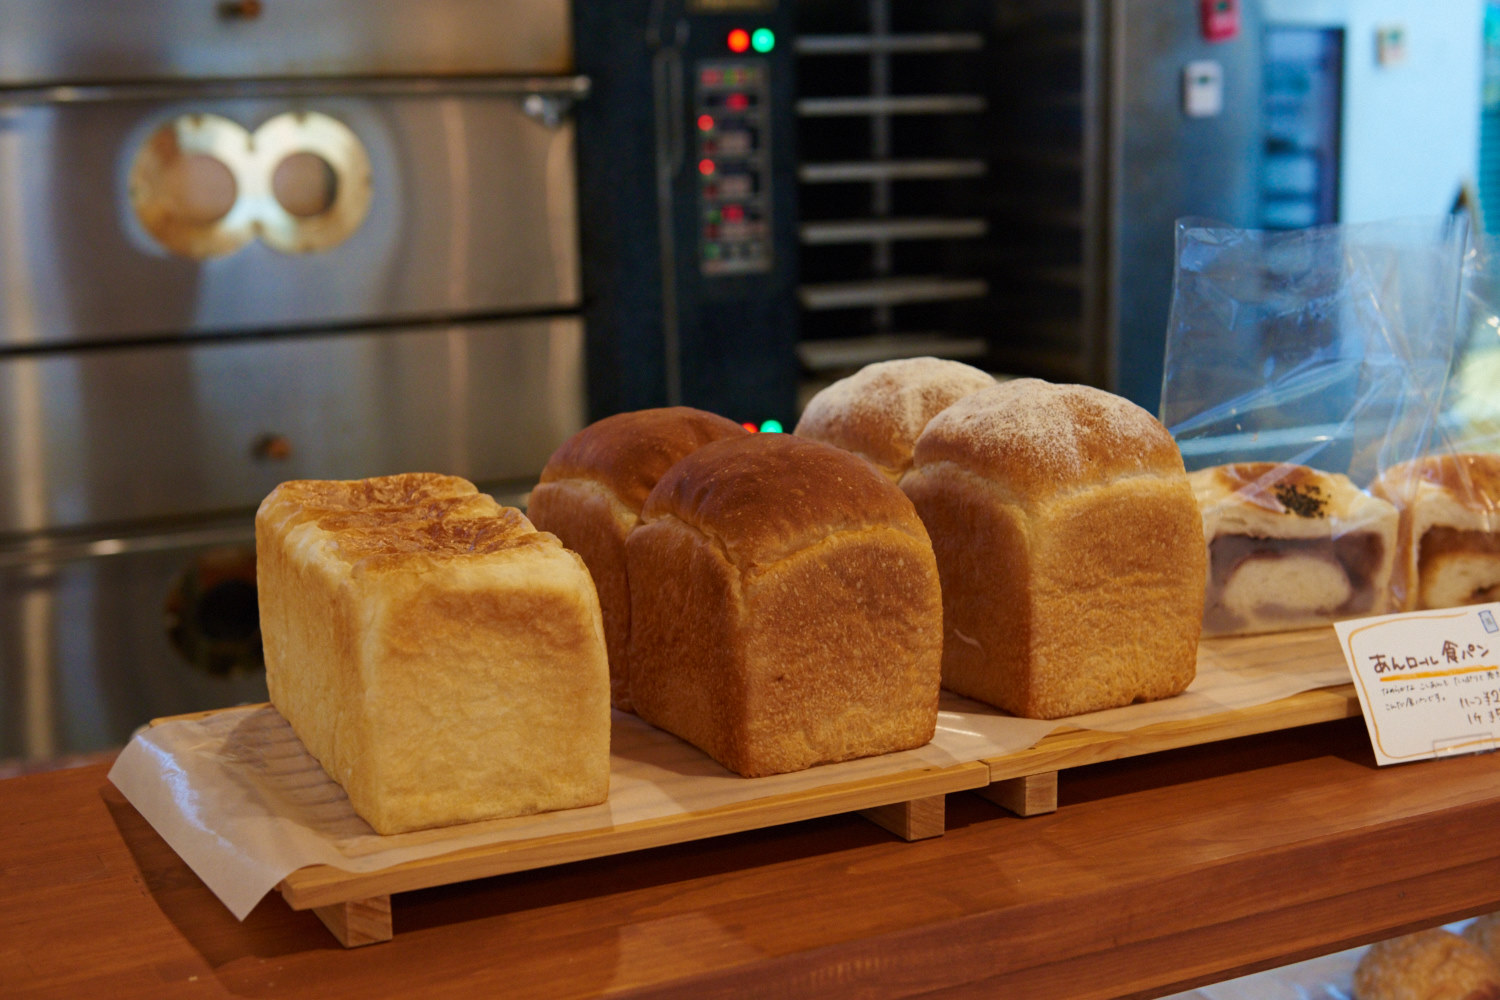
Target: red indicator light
752	428
705	123
734	213
737	102
706	167
739	40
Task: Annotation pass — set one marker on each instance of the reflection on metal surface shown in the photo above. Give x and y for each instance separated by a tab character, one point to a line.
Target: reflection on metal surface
172	430
203	186
324	176
185	186
304	184
38	732
212	613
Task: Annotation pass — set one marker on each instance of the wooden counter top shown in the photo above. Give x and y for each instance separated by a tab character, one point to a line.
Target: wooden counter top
1155	874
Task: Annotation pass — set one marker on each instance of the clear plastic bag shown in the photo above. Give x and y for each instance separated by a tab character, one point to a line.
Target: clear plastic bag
1330	349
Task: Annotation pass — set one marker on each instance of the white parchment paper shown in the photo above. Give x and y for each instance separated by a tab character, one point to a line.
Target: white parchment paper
242	802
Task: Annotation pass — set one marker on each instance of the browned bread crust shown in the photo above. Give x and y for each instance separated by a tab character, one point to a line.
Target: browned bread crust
442	659
628	452
785	607
879	411
1448	547
1485	932
590	496
1428	965
1070	547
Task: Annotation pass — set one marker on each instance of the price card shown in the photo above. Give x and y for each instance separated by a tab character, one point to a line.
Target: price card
1428	681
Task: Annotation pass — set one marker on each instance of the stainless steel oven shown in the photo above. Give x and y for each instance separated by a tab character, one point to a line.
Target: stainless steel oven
244	242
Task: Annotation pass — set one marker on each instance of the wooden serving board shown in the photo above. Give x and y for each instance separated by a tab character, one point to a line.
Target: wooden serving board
908	799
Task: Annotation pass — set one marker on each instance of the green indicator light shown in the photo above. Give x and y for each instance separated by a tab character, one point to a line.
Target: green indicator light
763	40
770	426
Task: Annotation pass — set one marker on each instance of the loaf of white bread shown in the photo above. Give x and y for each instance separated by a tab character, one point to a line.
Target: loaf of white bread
1434	964
1291	547
785	609
879	411
590	496
1070	548
442	659
1448	550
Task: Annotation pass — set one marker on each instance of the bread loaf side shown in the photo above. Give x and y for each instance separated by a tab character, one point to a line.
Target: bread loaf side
590	496
442	659
1070	548
785	607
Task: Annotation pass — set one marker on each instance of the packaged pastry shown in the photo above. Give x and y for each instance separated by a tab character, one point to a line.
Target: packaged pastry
879	411
785	609
590	496
1069	545
1448	547
442	659
1291	547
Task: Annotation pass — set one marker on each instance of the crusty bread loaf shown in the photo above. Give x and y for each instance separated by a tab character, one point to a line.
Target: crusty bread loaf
1485	932
590	496
1291	547
1070	547
1428	965
1448	547
442	659
879	411
784	607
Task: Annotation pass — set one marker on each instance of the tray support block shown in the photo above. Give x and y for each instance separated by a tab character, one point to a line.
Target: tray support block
917	819
1028	795
358	922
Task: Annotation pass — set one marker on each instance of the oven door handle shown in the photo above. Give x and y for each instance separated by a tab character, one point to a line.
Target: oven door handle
535	92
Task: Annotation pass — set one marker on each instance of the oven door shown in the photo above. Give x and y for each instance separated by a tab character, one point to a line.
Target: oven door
153	210
100	639
133	433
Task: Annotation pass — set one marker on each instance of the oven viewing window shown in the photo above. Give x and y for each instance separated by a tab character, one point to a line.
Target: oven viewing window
203	185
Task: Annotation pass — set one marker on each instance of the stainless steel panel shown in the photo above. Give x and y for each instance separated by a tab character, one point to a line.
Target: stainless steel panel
85	656
1164	164
472	210
56	40
118	434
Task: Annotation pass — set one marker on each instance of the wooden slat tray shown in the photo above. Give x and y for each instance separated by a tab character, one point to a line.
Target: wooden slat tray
356	906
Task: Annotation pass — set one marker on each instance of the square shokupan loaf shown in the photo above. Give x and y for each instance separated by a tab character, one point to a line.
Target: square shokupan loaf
442	659
1291	547
879	411
1070	547
590	496
1448	547
785	609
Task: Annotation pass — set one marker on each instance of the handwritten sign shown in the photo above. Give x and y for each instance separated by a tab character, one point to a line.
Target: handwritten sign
1428	681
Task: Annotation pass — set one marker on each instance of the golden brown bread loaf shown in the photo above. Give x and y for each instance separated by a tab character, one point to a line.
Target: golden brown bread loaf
1291	547
1070	547
785	607
1448	548
1428	965
1485	932
442	659
590	496
879	411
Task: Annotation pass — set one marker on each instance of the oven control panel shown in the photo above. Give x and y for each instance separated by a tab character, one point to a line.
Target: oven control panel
731	123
